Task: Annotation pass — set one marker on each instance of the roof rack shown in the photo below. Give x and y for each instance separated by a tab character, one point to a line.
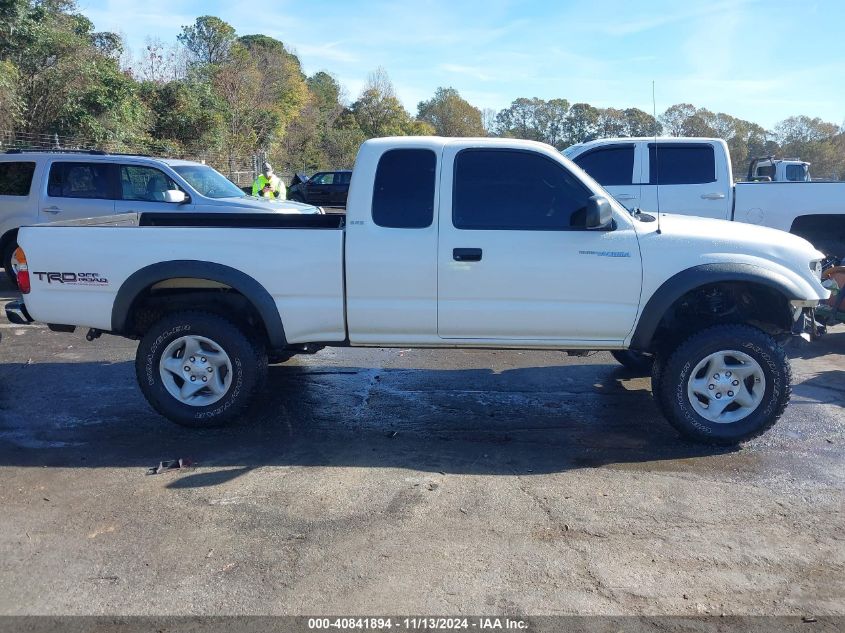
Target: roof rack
90	152
19	150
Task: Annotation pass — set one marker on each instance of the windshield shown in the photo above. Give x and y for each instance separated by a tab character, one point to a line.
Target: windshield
209	182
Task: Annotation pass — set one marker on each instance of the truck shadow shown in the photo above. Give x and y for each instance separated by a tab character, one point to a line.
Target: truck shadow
476	421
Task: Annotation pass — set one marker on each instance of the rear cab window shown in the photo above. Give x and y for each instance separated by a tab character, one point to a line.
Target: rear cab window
609	166
681	163
82	180
403	192
16	178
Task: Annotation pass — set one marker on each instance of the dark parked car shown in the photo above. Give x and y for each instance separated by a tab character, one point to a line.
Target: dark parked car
325	188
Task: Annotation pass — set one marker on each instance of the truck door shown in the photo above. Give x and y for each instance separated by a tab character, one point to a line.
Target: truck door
515	261
391	248
690	178
77	189
614	168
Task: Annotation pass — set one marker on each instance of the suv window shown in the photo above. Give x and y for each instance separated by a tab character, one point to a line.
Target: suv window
609	166
343	177
515	190
81	180
144	183
16	178
322	179
675	164
403	193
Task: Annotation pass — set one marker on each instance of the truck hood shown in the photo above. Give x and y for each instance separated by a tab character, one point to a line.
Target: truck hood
687	241
739	237
266	205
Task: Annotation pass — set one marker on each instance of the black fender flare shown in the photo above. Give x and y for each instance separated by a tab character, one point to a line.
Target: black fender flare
705	274
254	292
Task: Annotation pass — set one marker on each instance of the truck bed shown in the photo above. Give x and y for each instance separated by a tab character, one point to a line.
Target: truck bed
779	204
95	257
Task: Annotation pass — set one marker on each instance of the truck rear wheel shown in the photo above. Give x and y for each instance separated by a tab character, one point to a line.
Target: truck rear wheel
725	385
197	369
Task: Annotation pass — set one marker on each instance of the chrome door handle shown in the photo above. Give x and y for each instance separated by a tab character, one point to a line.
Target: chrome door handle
53	209
626	196
712	196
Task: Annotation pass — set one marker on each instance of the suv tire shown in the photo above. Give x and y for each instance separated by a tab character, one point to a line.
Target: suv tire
198	369
6	261
724	385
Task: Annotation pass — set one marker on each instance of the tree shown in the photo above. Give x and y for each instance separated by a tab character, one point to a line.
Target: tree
675	117
550	121
519	120
451	115
812	140
10	102
377	110
581	123
639	123
208	39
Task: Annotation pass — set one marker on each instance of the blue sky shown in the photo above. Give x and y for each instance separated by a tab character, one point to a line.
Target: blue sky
759	60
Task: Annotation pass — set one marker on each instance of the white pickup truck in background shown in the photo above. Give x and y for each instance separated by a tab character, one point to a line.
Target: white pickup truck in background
448	243
695	178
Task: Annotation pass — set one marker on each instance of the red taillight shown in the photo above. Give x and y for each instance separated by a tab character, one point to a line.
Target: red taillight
21	271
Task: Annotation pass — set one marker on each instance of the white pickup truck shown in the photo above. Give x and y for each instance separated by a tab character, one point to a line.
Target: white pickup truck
693	176
449	243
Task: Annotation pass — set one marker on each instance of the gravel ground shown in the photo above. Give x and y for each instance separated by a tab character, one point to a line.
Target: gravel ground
410	481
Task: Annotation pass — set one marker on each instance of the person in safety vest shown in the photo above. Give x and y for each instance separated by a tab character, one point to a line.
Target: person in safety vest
268	184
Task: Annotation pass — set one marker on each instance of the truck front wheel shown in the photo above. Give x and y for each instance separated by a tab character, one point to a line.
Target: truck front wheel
725	385
197	369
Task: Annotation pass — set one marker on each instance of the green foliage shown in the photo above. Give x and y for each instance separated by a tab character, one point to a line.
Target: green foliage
220	93
208	39
451	115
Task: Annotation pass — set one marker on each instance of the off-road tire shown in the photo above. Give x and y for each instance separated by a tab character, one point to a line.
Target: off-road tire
672	380
636	362
248	359
658	368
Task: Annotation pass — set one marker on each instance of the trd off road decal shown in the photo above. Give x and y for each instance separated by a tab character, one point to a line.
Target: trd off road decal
73	279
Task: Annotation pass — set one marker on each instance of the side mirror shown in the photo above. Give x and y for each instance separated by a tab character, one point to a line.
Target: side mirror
599	214
174	196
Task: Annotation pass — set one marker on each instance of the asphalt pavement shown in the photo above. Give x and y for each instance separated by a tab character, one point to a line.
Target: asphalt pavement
410	481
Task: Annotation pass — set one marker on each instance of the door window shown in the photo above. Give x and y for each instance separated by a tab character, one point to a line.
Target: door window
609	166
516	190
144	183
322	179
676	164
81	180
403	193
16	178
343	178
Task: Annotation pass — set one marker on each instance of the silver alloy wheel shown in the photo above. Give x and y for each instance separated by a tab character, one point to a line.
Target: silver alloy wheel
726	386
195	370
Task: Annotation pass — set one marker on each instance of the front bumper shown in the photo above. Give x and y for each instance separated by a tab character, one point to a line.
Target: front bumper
17	314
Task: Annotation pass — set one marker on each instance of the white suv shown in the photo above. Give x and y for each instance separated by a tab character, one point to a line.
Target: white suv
47	186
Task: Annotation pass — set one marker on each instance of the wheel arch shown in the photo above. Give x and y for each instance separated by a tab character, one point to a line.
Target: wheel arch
144	279
10	236
702	276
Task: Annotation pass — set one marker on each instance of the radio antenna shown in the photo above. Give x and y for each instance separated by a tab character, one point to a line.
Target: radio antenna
656	157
